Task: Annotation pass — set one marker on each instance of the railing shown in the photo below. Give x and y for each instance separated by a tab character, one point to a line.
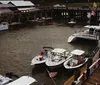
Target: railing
94	65
87	73
94	52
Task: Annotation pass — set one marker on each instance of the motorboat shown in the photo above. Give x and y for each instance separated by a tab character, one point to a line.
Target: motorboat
57	58
42	56
77	60
4	80
92	33
24	80
72	22
4	26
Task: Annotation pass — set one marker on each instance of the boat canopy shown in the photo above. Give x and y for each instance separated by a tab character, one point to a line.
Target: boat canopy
77	52
58	50
24	80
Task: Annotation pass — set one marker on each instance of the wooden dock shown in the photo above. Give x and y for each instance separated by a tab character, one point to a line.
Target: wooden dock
71	79
94	78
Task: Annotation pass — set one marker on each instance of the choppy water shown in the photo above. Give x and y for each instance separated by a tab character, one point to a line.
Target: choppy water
18	47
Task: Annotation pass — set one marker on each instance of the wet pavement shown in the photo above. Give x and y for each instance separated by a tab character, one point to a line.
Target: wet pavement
18	47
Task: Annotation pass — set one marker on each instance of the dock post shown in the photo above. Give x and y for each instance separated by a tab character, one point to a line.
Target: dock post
87	73
89	62
77	73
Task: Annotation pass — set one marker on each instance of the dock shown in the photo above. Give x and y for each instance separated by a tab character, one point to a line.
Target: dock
69	81
94	78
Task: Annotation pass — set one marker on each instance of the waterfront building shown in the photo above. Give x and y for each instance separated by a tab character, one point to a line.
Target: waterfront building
20	9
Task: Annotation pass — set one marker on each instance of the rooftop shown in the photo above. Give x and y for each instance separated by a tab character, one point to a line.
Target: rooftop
78	52
58	50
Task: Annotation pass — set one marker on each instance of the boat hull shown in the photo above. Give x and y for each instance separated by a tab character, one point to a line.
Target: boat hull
73	67
37	61
83	35
72	38
52	65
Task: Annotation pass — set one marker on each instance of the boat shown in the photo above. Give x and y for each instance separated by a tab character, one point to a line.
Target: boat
72	22
4	26
4	80
12	79
92	33
24	80
77	60
57	58
42	56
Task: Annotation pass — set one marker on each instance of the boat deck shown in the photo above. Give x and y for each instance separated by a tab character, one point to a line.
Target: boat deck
71	79
94	78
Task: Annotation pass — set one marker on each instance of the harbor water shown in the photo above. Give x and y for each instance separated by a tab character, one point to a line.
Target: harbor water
18	47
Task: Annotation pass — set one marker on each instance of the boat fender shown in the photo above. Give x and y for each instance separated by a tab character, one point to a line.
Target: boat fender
83	76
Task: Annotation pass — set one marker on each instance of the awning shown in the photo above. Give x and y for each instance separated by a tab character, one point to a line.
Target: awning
28	9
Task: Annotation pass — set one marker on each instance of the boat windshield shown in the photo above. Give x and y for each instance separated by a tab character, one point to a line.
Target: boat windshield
57	54
91	30
74	57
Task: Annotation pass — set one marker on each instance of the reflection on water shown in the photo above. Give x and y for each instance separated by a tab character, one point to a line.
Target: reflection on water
18	47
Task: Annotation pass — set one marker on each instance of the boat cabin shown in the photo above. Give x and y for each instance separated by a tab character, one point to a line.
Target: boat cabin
93	29
57	53
77	57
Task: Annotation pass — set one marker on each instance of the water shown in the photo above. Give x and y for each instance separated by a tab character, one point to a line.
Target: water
18	47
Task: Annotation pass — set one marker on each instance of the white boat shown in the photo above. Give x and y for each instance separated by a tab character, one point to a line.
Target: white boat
77	60
72	22
4	26
57	58
92	33
4	80
24	80
42	56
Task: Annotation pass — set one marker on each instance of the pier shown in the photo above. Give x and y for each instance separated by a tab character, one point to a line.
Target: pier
69	81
